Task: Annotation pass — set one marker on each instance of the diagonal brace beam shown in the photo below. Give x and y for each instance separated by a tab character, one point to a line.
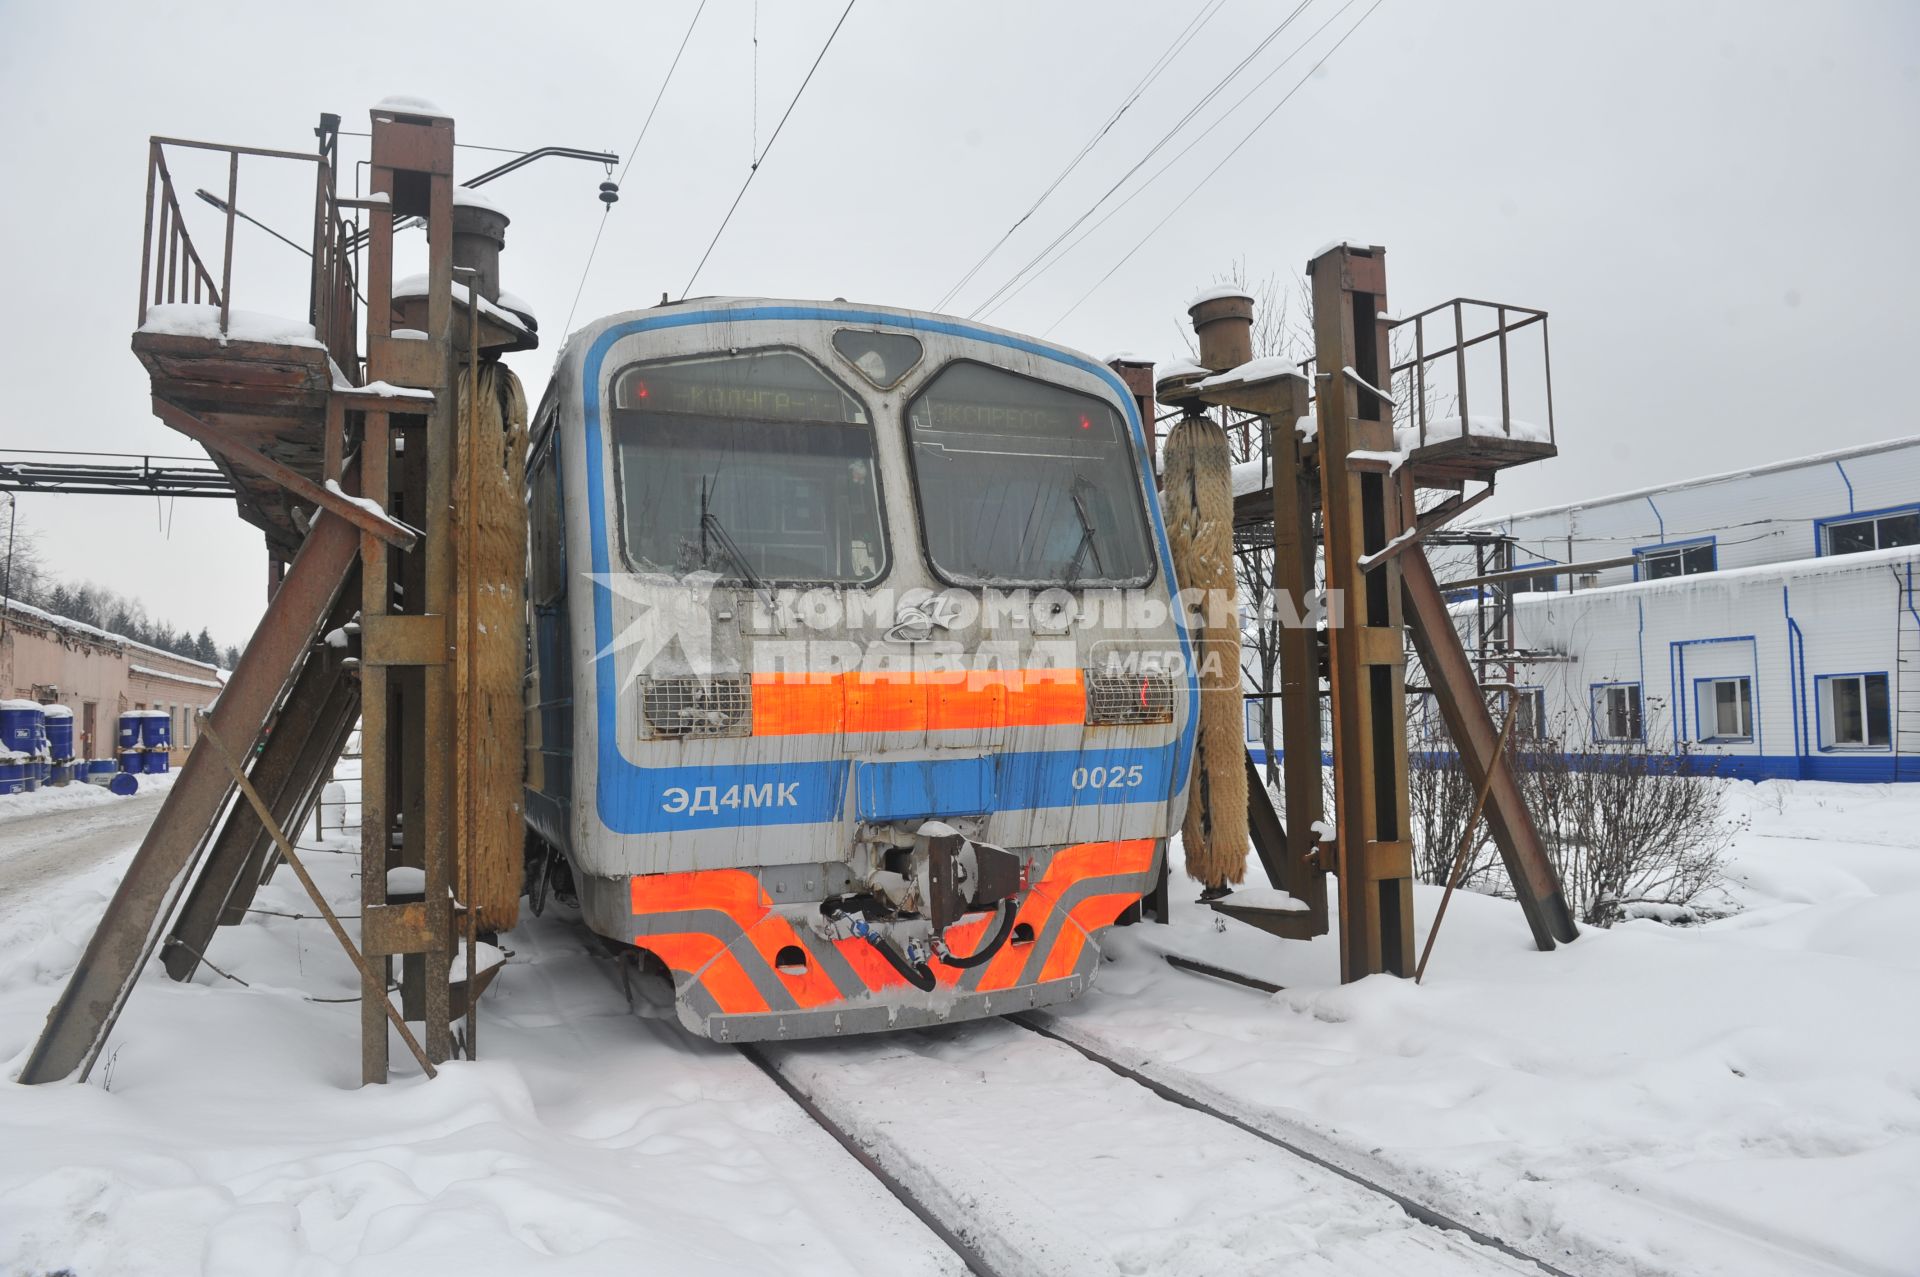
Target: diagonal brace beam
368	521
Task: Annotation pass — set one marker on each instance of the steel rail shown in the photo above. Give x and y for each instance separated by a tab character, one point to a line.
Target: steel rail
960	1246
1415	1210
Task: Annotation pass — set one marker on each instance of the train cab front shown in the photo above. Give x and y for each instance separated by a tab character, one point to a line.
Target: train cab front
866	701
926	923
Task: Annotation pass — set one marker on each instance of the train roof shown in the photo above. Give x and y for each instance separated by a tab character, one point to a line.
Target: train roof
582	337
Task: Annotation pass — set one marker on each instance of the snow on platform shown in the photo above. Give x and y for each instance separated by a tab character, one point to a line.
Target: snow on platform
187	319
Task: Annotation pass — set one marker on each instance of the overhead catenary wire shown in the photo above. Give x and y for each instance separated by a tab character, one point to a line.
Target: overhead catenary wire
645	125
1201	184
999	295
991	306
1180	41
754	169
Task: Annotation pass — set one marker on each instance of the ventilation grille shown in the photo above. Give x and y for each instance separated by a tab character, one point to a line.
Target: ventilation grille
1129	698
680	708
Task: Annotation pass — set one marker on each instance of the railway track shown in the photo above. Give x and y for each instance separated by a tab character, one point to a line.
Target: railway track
1028	1152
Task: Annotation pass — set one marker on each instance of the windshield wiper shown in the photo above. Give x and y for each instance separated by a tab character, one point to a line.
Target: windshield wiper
1088	539
710	526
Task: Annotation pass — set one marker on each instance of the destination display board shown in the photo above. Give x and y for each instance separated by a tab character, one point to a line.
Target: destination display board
771	385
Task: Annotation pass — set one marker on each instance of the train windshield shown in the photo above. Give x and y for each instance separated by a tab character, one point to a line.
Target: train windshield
1025	483
757	466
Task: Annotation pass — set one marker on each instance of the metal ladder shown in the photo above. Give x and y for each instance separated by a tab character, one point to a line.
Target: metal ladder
1906	706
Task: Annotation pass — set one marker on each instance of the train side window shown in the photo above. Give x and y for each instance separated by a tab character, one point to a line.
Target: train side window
547	537
1023	482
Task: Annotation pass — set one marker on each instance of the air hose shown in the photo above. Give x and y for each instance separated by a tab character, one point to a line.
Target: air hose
917	974
985	952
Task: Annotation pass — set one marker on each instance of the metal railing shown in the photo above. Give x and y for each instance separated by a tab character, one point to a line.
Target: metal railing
173	270
1503	328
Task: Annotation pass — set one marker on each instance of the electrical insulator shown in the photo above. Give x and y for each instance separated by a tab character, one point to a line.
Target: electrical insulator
609	193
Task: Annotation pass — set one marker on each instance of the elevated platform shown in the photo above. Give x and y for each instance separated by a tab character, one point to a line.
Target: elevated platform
268	396
1451	461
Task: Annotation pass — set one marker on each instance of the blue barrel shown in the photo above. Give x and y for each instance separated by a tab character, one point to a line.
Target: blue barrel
13	775
59	720
22	724
130	728
101	771
46	770
156	729
124	785
131	760
156	762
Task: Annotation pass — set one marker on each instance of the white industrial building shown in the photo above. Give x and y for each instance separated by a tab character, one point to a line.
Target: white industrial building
1766	617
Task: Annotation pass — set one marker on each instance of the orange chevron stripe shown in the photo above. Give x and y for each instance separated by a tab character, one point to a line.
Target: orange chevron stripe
812	987
1083	920
718	971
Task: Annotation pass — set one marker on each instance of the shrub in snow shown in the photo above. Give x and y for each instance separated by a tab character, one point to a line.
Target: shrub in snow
1633	832
1440	799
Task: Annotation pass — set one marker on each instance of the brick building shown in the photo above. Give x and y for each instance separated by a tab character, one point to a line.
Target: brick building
97	675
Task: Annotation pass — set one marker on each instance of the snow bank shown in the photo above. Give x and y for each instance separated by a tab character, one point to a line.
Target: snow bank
76	796
225	1131
1739	1097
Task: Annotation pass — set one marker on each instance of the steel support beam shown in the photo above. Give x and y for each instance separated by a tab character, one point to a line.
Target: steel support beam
1535	881
142	905
1363	511
300	748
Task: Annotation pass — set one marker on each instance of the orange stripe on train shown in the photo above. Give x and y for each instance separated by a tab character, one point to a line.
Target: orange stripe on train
792	704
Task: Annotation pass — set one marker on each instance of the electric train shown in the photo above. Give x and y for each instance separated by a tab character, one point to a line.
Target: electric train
859	697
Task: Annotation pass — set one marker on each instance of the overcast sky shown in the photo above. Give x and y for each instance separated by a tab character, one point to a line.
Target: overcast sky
1716	202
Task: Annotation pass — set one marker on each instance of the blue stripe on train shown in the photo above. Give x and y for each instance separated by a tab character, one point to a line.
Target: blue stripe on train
732	796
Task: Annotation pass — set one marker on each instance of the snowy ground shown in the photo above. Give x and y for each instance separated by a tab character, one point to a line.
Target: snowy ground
1741	1097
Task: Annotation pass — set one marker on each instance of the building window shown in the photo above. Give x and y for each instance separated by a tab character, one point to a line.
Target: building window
1530	713
1855	712
1874	532
1657	563
1538	583
1256	720
1616	712
1725	707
